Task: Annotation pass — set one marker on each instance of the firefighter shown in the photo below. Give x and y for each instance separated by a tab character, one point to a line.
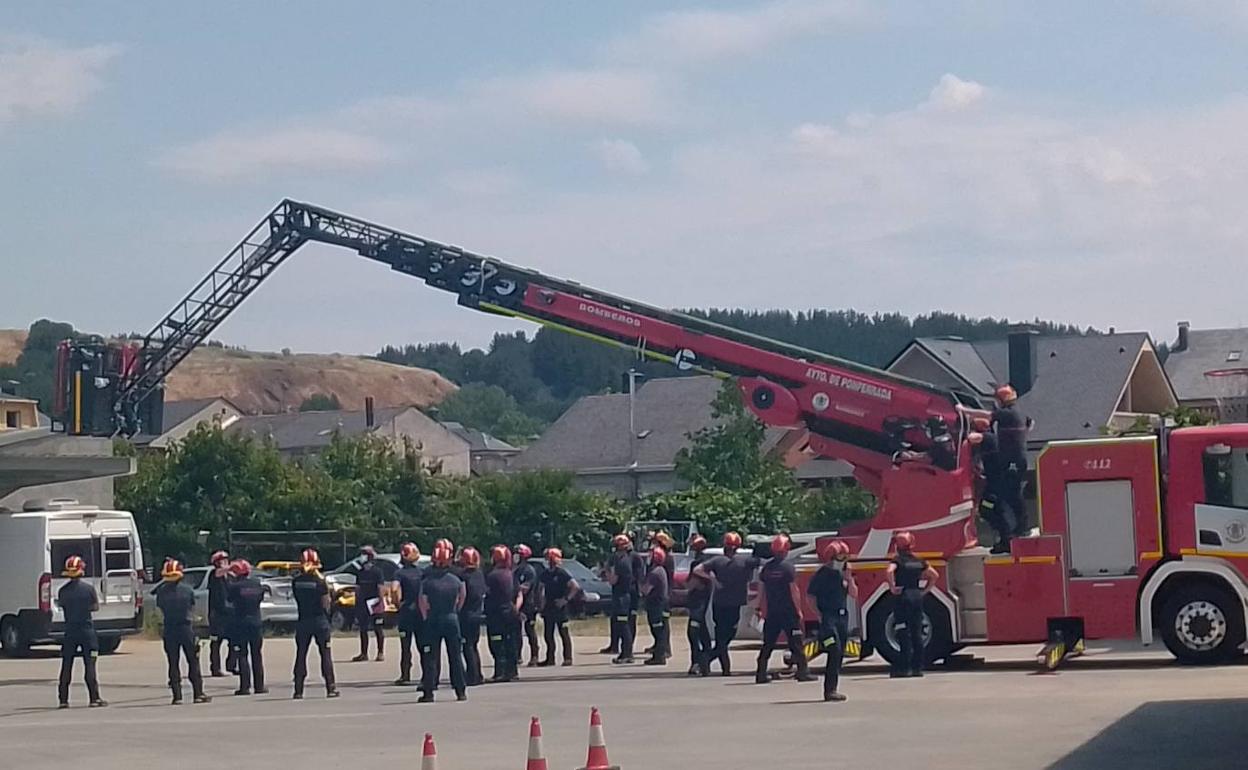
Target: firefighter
408	579
988	452
502	615
909	578
784	611
655	590
1011	427
78	600
731	574
313	602
621	577
558	588
526	582
176	601
441	597
830	587
219	616
697	602
368	582
472	614
665	543
246	628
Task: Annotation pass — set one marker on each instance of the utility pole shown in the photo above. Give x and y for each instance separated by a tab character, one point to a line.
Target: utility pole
633	376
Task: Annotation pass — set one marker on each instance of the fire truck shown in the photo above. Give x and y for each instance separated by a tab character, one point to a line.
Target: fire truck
1140	537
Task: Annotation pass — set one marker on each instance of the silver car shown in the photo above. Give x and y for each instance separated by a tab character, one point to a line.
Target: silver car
277	609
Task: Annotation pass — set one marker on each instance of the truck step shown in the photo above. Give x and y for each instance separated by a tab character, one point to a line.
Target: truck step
974	624
971	596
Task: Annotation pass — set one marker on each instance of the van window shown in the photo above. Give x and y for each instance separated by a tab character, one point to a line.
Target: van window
117	555
85	547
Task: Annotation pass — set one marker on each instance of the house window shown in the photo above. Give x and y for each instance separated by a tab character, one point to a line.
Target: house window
12	419
1234	355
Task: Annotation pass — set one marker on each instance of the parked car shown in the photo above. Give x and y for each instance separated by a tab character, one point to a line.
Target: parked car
280	568
680	579
341	582
277	609
595	591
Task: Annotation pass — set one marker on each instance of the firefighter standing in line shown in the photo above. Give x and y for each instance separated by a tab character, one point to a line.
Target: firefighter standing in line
1011	427
830	587
472	613
991	509
731	573
176	601
526	582
368	582
502	615
558	588
621	577
78	600
441	596
784	611
219	616
408	579
665	544
246	629
655	592
313	602
906	576
698	601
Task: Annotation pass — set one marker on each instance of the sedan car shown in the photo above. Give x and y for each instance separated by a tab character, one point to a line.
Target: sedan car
277	609
595	592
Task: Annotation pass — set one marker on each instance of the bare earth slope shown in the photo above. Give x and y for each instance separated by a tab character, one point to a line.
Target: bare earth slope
11	342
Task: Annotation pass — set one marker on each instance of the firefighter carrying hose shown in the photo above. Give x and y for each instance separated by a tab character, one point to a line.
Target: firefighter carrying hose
910	578
472	613
245	594
502	615
698	602
219	616
830	587
408	578
441	596
313	603
1011	427
176	601
784	611
78	600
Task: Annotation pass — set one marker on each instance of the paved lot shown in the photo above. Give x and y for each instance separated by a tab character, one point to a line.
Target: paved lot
1114	708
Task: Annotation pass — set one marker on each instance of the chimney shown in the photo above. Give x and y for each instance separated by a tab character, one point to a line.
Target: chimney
1180	345
369	419
1022	357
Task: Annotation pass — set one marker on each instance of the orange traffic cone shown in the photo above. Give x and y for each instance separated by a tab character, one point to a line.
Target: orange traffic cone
537	760
597	759
429	758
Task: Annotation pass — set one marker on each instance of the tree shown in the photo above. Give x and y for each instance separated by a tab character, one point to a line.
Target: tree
491	409
320	402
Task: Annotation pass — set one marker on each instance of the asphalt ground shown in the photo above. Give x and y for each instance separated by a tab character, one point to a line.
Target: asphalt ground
1115	707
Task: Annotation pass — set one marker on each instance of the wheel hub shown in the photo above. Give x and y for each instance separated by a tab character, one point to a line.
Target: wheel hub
1200	625
890	632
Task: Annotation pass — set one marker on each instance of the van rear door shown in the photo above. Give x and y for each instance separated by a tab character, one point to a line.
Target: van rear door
117	584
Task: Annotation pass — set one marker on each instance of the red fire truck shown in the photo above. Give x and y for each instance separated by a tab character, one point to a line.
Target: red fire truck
1111	560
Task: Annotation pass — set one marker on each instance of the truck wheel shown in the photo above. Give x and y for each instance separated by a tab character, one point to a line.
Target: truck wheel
937	631
1202	625
109	644
14	642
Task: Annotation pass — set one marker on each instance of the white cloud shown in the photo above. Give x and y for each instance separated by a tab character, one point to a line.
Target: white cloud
234	155
596	96
954	93
621	156
40	77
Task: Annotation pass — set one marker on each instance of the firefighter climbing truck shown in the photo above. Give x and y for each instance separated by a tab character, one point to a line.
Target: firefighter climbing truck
1111	561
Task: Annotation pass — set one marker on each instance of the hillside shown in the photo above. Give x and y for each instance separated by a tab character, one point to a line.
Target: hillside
11	342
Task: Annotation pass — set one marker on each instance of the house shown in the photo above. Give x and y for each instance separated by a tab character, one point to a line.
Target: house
18	413
1073	387
594	441
1208	369
297	435
486	453
182	417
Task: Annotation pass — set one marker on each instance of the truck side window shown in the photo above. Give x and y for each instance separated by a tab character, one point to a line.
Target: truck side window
1226	478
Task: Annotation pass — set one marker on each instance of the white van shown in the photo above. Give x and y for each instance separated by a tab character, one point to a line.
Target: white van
34	544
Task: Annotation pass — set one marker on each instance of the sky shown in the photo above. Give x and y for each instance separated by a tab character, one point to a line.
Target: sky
1074	161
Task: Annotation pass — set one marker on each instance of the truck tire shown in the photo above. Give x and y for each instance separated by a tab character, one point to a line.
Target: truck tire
14	642
937	631
109	644
1202	624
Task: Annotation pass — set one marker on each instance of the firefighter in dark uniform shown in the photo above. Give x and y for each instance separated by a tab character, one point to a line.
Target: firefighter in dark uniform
1011	427
502	615
408	579
666	543
698	600
731	574
246	629
472	613
368	582
176	601
526	582
558	588
77	600
655	591
907	574
313	602
830	587
621	576
988	452
441	597
219	616
784	611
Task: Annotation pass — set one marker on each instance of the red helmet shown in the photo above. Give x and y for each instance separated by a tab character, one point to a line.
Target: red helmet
981	424
310	558
832	550
697	542
172	570
470	558
903	540
523	551
75	567
732	540
621	541
444	542
442	556
218	557
1006	394
501	556
409	553
240	568
657	556
554	556
780	545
